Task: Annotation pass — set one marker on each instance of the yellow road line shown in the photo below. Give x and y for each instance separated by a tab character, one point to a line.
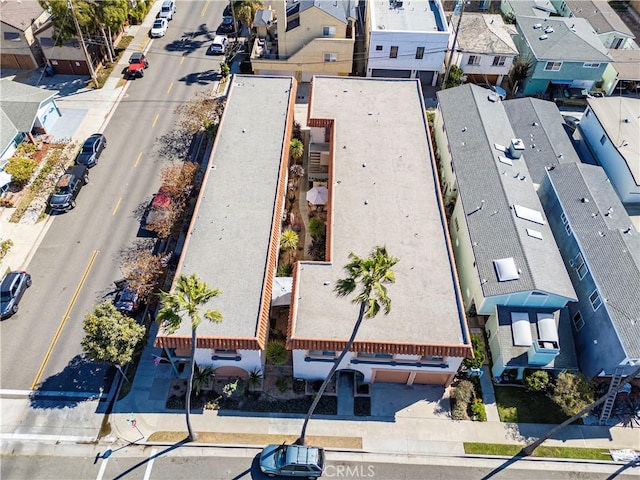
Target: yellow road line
65	317
155	120
137	160
117	206
170	87
204	9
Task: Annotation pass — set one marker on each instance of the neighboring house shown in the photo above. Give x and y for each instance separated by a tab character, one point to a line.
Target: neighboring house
24	110
233	239
18	23
406	39
611	30
563	52
528	8
505	252
306	38
484	50
601	250
623	75
381	192
610	127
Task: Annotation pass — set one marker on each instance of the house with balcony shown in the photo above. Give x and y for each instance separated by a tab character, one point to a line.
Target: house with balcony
506	255
19	47
611	30
601	252
233	240
406	39
484	49
563	54
610	129
304	38
381	192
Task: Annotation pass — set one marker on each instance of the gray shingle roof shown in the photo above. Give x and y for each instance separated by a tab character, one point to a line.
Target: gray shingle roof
340	9
473	125
19	14
515	356
537	8
580	44
600	15
612	256
540	125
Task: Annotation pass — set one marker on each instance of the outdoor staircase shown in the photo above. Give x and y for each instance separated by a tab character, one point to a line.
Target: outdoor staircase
611	396
317	171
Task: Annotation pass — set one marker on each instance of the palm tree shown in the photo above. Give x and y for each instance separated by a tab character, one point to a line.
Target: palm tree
189	294
289	242
296	150
370	274
528	450
245	11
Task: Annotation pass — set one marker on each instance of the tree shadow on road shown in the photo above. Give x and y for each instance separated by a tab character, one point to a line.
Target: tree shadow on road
191	42
201	78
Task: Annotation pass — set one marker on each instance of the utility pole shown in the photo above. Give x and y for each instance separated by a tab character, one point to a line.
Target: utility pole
82	44
461	4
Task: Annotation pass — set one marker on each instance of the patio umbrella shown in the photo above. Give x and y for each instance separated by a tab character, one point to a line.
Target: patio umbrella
318	195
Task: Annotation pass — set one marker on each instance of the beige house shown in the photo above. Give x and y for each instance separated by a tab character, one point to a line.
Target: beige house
18	24
305	38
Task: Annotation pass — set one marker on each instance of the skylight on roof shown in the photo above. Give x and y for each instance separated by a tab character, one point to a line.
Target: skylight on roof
521	329
534	233
547	329
505	160
529	214
506	269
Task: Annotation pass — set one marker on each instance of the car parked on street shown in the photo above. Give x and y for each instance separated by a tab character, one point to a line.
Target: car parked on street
67	188
292	461
571	122
137	64
159	28
218	46
501	92
12	287
126	300
91	150
226	26
167	10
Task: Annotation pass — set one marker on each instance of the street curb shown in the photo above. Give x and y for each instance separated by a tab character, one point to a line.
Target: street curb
38	240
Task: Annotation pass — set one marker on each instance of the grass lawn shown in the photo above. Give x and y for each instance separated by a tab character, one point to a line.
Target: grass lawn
542	451
520	406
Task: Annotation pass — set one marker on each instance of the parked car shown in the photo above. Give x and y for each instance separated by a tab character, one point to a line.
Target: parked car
167	10
160	209
159	28
12	287
137	63
292	461
91	150
218	46
227	11
501	92
126	299
67	188
572	122
227	25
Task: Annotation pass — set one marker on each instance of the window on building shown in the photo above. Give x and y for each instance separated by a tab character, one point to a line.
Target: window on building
394	52
499	61
617	43
328	31
375	356
226	352
378	48
603	139
12	36
565	222
431	359
595	300
322	353
553	66
330	57
474	60
580	266
578	321
46	42
419	53
590	65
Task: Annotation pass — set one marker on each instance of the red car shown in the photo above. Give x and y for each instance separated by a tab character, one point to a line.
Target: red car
137	64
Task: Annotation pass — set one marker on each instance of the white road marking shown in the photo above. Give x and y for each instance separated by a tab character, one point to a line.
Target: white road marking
147	472
103	467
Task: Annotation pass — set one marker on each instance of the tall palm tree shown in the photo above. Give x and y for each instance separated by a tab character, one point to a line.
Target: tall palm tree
369	274
188	296
296	150
289	242
528	450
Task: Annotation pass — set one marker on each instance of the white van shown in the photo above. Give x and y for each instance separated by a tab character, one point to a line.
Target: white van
218	46
167	9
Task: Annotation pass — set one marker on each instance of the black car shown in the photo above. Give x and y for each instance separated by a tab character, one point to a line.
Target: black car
67	188
12	288
227	11
126	300
91	150
226	26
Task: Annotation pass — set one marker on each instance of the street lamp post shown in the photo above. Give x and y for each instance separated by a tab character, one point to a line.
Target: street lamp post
461	4
83	45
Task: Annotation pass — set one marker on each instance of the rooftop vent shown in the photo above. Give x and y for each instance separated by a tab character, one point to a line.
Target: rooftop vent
516	148
542	37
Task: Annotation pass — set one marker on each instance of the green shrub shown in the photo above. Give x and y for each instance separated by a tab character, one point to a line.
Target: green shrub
478	411
464	392
224	70
572	392
478	353
459	411
316	227
283	384
277	353
285	270
26	149
537	381
5	246
21	169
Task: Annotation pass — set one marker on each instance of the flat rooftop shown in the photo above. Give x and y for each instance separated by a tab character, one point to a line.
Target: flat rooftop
383	192
412	16
232	227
